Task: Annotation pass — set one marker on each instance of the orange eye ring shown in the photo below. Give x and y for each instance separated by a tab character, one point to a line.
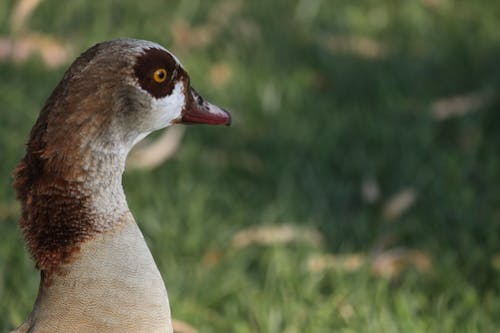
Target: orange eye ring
160	75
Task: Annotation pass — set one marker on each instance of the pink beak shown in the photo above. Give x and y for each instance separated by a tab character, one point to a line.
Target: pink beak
199	111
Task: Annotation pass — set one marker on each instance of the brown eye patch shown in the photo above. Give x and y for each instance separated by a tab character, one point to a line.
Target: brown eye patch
146	68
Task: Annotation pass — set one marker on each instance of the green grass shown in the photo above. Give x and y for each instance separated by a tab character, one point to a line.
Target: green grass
310	126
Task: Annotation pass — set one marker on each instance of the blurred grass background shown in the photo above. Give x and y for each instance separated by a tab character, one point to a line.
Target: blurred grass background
364	146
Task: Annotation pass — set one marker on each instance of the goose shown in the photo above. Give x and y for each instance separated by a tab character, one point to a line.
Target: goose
96	271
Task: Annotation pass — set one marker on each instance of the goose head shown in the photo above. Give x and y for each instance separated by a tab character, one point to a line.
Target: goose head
119	91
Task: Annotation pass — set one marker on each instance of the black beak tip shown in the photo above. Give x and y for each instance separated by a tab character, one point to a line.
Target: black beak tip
230	118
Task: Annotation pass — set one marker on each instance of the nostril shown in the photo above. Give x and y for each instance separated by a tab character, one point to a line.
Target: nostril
199	100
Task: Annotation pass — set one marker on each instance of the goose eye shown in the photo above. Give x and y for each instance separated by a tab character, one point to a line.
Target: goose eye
160	75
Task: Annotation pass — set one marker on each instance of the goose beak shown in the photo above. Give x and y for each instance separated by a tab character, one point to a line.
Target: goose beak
199	111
